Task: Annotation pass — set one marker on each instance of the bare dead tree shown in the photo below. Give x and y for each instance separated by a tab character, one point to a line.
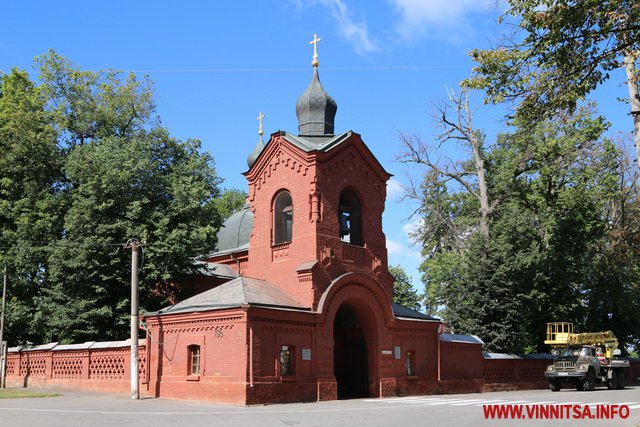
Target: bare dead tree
616	206
455	118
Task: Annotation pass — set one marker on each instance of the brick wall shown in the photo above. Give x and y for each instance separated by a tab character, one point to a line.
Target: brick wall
461	368
315	181
523	374
221	336
514	374
103	366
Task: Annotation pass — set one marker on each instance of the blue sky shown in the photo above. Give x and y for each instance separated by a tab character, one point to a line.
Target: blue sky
216	64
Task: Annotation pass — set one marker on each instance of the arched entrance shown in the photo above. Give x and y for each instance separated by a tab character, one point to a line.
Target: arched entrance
350	354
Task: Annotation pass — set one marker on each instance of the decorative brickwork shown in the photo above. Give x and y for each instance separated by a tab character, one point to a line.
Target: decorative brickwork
353	253
67	367
510	374
11	367
498	374
34	366
108	369
142	363
105	367
531	373
280	251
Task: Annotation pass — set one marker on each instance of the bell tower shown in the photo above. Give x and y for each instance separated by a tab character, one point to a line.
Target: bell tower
317	199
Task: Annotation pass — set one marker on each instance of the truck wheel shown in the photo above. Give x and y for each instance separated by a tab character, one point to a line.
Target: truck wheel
589	382
554	385
622	381
613	383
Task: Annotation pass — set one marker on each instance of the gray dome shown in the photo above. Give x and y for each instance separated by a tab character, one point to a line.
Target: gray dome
315	109
255	153
236	231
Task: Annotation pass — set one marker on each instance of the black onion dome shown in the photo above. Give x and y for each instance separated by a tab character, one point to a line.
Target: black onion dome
316	110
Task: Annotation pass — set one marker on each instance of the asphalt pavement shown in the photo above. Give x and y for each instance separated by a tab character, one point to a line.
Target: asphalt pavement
78	408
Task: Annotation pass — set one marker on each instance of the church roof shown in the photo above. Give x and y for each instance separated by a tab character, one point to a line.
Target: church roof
306	143
213	269
235	293
460	338
402	311
316	143
236	231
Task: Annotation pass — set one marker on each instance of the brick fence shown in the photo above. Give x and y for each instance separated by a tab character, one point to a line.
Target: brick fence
101	366
105	366
523	374
514	374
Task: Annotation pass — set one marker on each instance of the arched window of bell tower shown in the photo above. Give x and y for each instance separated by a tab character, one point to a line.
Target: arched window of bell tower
282	218
350	218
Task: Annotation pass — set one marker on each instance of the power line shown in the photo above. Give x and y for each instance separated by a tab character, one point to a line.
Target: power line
49	245
250	70
281	69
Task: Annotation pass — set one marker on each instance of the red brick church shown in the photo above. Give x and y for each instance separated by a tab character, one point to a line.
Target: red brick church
303	306
295	304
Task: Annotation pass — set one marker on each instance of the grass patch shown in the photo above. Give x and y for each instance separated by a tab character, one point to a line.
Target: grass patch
16	393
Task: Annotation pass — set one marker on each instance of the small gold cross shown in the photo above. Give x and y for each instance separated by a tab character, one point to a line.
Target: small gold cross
314	42
259	118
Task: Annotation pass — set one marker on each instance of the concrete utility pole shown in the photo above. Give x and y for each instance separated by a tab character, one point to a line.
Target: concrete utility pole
3	355
134	245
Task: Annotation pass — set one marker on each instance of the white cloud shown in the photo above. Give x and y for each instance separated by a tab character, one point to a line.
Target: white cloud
420	17
402	251
395	190
393	247
411	228
354	30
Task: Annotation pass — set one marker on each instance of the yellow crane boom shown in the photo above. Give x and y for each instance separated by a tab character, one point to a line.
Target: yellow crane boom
560	334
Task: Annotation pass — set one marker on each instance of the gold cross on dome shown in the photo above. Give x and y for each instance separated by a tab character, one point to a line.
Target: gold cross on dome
314	42
259	118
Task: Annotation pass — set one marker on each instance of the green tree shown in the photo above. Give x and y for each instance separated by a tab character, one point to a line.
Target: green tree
155	188
230	202
30	214
547	234
559	52
90	166
403	291
612	300
87	106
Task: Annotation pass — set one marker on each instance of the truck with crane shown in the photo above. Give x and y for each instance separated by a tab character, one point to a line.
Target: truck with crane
584	360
